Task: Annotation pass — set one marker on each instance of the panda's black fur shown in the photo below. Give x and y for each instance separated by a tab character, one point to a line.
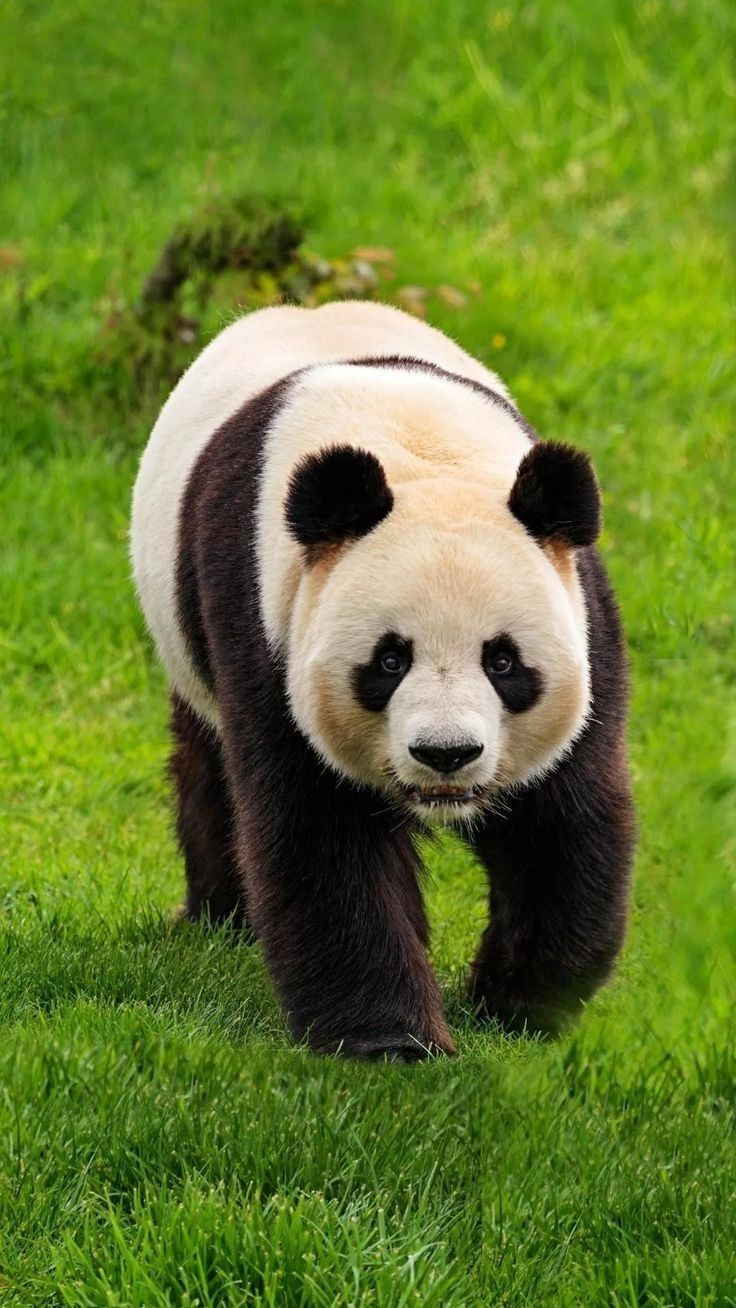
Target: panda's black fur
324	873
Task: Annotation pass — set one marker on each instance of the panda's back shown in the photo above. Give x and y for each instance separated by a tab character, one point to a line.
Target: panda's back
261	347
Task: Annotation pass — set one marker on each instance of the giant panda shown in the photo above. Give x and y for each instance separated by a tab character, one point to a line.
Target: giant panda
378	604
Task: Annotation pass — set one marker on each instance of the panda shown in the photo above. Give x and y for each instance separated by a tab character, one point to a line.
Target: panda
377	600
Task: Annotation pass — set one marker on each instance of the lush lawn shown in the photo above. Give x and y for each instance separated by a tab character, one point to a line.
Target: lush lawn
160	1142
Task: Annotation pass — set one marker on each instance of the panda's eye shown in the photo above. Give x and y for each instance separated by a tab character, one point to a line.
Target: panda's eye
502	663
392	662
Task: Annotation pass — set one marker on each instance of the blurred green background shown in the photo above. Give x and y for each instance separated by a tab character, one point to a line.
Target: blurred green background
566	171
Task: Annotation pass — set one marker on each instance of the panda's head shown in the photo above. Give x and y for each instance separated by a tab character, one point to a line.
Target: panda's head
438	647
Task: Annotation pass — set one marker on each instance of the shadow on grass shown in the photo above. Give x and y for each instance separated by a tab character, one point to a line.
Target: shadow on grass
193	973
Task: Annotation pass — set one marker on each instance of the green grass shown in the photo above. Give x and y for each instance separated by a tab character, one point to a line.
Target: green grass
160	1141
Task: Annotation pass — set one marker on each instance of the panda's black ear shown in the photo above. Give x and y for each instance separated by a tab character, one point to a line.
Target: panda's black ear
336	495
555	495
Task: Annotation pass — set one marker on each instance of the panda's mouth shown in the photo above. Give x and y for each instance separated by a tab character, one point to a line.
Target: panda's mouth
432	796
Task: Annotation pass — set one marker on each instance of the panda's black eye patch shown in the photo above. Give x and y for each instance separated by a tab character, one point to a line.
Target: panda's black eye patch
374	682
518	686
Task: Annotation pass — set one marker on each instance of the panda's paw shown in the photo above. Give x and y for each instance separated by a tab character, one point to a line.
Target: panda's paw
402	1048
520	1018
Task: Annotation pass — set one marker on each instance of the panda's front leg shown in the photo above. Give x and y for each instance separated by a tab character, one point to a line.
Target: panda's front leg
343	930
334	898
559	865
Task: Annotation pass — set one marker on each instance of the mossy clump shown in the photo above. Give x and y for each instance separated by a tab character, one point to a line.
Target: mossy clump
233	256
230	257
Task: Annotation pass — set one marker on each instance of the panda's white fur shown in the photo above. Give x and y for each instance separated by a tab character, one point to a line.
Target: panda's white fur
449	567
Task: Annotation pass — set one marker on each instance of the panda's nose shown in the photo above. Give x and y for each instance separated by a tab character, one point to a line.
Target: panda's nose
446	758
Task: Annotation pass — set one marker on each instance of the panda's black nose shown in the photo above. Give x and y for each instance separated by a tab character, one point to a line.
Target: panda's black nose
446	758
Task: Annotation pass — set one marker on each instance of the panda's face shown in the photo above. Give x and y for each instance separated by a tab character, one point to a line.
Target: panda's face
440	663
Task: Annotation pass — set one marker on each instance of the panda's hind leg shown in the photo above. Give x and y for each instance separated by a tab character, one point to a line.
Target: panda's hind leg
204	822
